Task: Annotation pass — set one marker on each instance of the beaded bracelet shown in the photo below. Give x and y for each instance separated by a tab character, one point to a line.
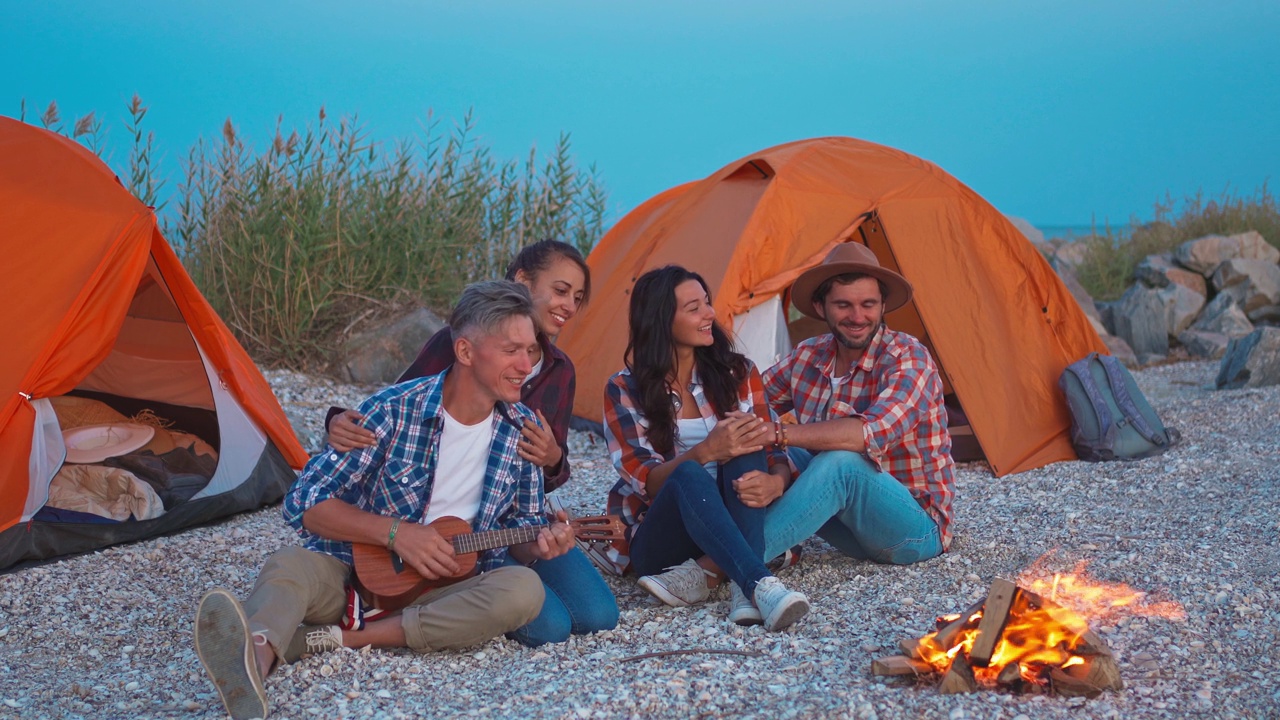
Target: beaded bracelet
391	536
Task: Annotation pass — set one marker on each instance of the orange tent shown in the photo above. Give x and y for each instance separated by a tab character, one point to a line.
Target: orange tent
997	319
96	304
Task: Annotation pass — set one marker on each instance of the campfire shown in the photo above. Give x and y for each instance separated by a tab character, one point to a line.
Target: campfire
1032	636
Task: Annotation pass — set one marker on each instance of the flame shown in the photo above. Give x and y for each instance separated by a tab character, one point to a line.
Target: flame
1039	635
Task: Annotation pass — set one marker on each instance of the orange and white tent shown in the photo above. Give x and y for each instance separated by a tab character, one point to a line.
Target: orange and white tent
995	316
96	304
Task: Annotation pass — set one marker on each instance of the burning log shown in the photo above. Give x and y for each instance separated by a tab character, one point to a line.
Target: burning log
995	613
959	678
900	665
948	632
1087	678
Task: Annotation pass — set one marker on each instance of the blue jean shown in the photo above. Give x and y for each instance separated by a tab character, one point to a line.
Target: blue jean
845	500
696	514
578	601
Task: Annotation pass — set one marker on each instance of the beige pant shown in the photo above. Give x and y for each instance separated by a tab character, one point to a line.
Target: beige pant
299	586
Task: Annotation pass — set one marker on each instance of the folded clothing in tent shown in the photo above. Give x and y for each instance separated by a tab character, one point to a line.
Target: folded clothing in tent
176	476
108	492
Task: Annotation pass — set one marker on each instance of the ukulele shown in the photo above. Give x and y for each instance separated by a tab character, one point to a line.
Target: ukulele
386	582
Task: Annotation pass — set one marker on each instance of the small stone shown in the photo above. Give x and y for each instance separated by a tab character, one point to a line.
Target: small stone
326	670
131	686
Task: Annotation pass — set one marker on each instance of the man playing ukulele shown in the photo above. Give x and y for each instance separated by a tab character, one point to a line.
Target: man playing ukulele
446	447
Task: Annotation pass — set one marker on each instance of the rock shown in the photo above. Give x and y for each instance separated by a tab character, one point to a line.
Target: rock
1224	317
1206	345
1120	350
1107	311
1203	255
1082	298
1253	283
1069	254
1251	361
1140	320
1160	271
1182	306
380	355
1029	231
1266	315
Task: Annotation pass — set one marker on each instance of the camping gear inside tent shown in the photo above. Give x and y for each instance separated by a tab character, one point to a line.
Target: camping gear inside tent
997	319
103	328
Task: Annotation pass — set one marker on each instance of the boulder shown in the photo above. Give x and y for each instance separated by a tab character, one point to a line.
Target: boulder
1204	345
1030	232
379	355
1140	319
1070	254
1253	283
1203	255
1266	315
1224	317
1120	350
1082	298
1107	311
1251	361
1182	306
1159	271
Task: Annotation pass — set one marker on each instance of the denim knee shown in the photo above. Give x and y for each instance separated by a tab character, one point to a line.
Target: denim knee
551	626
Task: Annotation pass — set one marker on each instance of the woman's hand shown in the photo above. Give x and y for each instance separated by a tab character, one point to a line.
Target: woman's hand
758	489
538	444
737	434
345	433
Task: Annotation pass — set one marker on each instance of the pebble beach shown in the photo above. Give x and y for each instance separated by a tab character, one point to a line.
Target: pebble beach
109	634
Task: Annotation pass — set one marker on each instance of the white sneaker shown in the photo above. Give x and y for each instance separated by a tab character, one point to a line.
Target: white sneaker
741	610
779	606
680	586
313	640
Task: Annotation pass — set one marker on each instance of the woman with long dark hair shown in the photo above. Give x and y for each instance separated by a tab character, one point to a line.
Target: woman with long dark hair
687	425
559	281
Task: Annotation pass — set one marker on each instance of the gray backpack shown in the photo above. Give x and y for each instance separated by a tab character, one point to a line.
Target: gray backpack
1110	418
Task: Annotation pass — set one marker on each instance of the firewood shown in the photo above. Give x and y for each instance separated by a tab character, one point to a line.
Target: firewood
1088	679
947	635
1090	643
1010	676
900	665
959	679
995	613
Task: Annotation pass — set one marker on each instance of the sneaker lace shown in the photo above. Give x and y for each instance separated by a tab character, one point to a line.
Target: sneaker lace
688	578
322	639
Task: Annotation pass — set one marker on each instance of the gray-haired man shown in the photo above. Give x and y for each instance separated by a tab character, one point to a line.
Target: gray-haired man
446	447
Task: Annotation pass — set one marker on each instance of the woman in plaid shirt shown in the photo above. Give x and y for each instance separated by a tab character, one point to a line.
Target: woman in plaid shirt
687	424
559	282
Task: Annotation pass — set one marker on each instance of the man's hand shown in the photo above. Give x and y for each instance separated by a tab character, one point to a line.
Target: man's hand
737	434
538	444
757	489
345	433
425	550
553	541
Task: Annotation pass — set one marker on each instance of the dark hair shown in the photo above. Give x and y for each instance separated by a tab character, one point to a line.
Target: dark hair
820	292
535	258
650	355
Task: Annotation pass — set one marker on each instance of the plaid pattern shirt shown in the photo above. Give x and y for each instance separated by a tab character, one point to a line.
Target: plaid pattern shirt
552	391
625	431
896	390
396	476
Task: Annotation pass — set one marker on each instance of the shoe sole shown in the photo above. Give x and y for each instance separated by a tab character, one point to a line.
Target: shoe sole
746	619
787	614
225	648
659	591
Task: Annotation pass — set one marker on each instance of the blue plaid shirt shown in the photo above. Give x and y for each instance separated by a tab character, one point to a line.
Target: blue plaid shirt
396	476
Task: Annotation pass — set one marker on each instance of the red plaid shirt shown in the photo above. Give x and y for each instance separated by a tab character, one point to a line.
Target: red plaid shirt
625	430
896	390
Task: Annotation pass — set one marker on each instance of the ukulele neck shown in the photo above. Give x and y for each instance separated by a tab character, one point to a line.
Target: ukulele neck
489	539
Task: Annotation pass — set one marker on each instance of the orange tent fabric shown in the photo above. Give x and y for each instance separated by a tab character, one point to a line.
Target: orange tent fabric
76	244
999	322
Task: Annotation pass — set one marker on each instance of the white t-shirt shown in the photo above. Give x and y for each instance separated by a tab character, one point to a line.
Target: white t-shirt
690	432
537	368
464	455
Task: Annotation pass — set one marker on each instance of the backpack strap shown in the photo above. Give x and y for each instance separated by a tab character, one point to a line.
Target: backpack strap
1080	369
1120	389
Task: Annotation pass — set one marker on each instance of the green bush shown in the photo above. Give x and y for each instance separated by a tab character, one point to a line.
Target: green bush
296	244
1111	256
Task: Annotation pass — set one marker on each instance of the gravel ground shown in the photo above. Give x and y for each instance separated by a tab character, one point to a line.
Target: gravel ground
109	634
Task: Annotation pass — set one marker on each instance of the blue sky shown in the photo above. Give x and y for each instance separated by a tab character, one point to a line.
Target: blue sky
1058	112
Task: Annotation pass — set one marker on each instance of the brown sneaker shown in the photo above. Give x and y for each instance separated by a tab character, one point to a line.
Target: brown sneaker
225	647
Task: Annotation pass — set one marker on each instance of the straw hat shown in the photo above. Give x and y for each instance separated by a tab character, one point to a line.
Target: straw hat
849	257
74	412
95	443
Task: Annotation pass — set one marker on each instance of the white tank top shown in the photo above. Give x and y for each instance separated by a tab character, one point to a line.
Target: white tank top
690	432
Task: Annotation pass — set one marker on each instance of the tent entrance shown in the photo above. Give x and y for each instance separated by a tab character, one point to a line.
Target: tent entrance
869	230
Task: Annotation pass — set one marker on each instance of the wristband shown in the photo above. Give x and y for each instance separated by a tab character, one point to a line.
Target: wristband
391	536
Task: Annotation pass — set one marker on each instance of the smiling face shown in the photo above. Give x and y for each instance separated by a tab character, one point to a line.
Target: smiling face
691	326
557	294
853	312
499	360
